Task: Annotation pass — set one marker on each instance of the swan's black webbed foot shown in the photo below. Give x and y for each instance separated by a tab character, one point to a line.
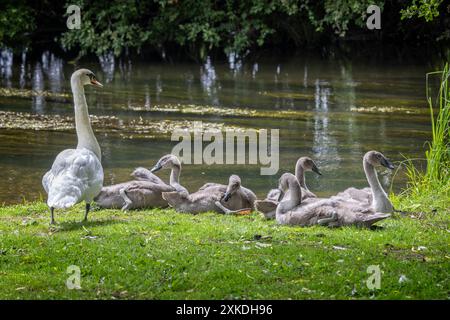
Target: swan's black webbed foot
88	207
52	217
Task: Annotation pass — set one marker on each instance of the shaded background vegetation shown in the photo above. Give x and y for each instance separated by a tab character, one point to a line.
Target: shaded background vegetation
193	29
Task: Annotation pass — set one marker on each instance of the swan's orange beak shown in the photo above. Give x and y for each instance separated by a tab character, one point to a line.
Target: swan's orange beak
95	83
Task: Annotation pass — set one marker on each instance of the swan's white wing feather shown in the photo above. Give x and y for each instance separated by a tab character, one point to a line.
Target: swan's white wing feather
47	180
76	175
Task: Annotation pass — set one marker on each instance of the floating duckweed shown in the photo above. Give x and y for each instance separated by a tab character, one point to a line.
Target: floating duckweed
26	93
196	109
126	129
279	114
389	109
288	95
221	111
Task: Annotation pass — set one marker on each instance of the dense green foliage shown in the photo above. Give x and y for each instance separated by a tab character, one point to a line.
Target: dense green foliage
161	254
15	22
197	27
427	9
201	26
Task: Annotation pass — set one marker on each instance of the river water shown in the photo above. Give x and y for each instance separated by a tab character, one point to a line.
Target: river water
333	110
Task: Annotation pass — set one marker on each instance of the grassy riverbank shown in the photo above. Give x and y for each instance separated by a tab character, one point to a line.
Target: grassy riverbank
163	254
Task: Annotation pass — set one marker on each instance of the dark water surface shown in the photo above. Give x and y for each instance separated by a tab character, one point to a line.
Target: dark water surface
339	110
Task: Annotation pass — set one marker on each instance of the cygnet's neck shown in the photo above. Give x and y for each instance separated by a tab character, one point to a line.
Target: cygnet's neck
300	175
381	202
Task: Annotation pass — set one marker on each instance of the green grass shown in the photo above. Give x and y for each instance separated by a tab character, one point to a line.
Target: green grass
161	254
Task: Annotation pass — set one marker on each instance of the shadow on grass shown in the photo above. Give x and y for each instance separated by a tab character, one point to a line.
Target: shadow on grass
376	228
76	225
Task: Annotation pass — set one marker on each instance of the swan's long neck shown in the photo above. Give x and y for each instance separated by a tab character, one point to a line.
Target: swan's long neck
175	175
293	201
85	134
296	194
300	175
381	201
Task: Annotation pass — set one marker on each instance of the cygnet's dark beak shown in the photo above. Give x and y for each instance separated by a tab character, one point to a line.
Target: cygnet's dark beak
386	163
157	167
226	196
316	170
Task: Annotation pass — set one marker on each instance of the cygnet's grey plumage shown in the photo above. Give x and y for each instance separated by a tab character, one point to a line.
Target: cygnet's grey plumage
144	192
332	212
374	197
232	197
269	205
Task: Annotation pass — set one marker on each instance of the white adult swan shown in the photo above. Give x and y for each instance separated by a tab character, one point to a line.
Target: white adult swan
333	212
374	197
76	174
